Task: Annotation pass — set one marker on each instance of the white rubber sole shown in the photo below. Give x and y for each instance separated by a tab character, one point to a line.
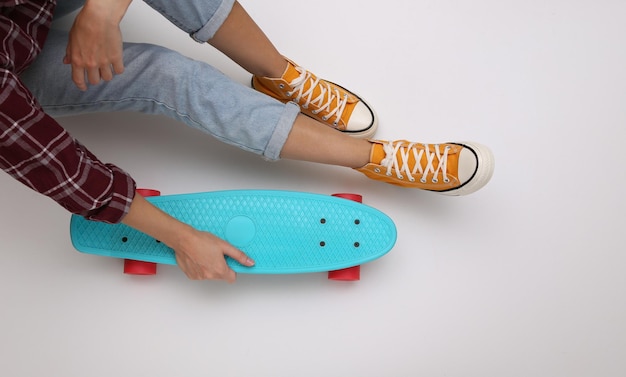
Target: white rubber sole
369	132
483	174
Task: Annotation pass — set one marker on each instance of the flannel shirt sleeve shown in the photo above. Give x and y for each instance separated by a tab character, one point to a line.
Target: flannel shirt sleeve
38	152
34	148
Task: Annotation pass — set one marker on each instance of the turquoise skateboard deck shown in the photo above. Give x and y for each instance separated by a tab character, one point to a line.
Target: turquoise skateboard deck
284	232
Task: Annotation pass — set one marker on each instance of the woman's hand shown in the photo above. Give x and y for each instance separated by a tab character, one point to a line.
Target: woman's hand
94	48
201	255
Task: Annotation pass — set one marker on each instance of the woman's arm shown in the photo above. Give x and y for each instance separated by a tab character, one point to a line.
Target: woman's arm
199	254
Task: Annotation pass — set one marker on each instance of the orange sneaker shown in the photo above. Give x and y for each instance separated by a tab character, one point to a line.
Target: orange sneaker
320	99
450	169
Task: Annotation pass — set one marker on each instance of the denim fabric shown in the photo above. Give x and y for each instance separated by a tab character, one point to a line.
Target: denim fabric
65	7
199	18
157	80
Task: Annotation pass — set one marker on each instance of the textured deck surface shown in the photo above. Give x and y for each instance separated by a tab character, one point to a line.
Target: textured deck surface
283	231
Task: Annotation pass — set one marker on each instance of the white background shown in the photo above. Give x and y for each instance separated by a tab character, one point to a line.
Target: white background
523	278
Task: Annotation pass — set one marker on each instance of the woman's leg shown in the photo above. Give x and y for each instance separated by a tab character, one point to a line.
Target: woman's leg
242	40
229	28
160	81
310	140
448	168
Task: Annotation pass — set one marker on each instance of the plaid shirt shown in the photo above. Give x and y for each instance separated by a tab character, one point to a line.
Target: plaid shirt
34	148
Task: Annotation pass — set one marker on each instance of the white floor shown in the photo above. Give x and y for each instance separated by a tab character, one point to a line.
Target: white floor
524	278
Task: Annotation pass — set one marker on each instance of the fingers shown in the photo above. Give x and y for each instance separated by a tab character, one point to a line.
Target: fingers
92	72
118	66
216	271
240	257
81	75
208	260
105	73
224	273
230	276
95	45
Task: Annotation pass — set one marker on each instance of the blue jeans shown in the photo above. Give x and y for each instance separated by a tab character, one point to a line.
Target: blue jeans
157	80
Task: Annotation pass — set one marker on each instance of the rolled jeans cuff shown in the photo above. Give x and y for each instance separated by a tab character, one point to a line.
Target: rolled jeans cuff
210	28
281	132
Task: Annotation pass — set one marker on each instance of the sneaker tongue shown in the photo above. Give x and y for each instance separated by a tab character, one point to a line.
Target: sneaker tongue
290	73
377	154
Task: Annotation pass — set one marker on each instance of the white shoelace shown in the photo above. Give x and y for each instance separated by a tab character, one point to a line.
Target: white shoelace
323	101
392	164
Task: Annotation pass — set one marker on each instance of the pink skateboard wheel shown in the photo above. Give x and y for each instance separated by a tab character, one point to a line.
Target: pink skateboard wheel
133	267
350	273
148	192
346	274
354	197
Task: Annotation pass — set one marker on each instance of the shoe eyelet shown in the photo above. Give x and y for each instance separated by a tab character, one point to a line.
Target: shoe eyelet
411	179
423	180
400	177
376	170
324	118
281	86
288	94
447	180
435	180
388	174
335	123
